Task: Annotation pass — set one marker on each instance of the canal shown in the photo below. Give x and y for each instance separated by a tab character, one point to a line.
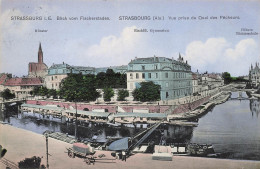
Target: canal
232	128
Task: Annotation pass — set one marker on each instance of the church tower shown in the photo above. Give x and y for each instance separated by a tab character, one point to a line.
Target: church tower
40	54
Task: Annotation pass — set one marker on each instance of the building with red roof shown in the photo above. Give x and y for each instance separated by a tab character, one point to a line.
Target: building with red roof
21	86
3	78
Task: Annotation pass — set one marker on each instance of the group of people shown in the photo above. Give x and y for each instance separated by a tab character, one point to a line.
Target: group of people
123	153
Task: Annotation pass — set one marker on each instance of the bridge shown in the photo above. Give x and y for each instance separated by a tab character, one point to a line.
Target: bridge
3	103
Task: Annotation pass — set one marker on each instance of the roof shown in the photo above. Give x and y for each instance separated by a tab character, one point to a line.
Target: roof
155	115
21	81
42	107
89	113
3	78
151	60
194	76
59	66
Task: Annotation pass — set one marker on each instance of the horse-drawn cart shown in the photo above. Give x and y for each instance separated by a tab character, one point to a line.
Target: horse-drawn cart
83	151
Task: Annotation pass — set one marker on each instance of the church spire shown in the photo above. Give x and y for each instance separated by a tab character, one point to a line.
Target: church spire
40	54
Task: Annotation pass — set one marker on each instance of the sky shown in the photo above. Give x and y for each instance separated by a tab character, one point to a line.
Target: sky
207	44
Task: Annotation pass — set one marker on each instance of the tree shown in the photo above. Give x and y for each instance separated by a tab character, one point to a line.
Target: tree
77	87
108	93
111	79
147	92
53	93
122	94
227	78
39	91
6	94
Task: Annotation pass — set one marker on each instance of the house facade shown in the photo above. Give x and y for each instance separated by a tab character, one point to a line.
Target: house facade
22	86
57	72
174	76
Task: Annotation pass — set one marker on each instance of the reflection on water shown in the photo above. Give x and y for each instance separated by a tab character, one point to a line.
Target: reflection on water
255	107
230	127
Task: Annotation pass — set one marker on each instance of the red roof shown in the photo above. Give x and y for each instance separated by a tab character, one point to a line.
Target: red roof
23	81
194	76
3	78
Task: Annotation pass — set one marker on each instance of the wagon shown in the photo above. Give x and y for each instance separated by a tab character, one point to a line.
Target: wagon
83	151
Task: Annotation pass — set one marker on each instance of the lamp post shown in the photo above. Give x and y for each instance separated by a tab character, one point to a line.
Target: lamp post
47	153
76	120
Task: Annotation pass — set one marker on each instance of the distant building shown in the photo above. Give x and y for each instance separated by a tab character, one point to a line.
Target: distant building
57	72
174	76
22	86
213	80
195	83
38	69
117	69
3	78
254	75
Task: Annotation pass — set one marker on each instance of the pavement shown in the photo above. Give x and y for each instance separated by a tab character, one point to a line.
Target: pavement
21	144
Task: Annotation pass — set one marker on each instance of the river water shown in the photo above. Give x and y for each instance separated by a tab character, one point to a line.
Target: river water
232	127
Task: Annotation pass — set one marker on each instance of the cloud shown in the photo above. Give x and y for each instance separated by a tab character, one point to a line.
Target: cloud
218	55
19	35
111	50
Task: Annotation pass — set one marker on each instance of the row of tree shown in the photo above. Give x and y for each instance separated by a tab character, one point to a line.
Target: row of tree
78	87
229	79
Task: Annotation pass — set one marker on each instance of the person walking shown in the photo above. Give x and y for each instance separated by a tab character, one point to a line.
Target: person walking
123	156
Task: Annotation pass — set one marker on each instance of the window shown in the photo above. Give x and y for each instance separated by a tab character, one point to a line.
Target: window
166	75
167	94
156	75
155	67
166	84
137	76
131	76
149	75
131	85
143	75
143	67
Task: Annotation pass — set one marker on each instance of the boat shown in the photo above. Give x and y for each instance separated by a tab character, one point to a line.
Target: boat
192	149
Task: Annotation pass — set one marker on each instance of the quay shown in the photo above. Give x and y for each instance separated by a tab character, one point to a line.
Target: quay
31	144
139	117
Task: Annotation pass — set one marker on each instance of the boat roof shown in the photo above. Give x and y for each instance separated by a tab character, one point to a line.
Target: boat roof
155	115
48	107
89	113
42	107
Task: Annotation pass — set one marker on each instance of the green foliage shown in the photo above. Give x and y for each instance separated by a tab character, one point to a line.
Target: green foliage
111	79
122	94
227	78
6	94
33	162
53	93
147	92
108	93
39	91
78	87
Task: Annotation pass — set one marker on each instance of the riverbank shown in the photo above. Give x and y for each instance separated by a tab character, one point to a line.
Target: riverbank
21	144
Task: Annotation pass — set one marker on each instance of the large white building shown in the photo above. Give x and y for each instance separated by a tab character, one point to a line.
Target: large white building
174	76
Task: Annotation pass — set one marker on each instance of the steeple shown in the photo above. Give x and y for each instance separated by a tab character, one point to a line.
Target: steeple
40	54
